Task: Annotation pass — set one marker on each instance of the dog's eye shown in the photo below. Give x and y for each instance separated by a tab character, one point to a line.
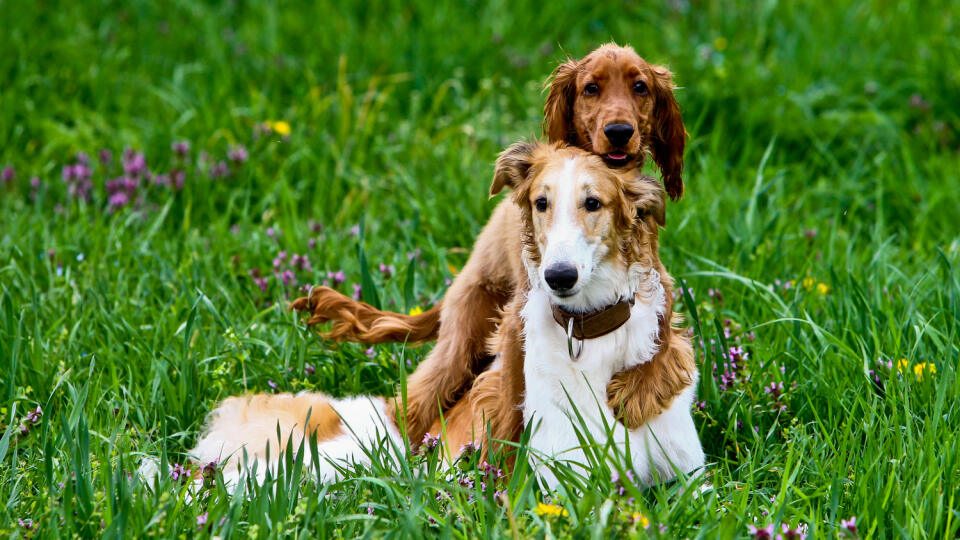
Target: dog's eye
640	88
591	89
591	204
541	204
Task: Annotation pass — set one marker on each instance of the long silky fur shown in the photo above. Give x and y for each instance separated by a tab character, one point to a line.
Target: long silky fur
360	322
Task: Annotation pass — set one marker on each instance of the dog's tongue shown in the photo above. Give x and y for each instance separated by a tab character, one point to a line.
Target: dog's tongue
617	157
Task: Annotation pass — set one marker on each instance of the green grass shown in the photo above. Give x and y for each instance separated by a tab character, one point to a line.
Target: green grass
824	147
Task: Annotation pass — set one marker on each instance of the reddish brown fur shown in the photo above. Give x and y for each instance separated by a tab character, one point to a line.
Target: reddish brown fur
473	302
357	321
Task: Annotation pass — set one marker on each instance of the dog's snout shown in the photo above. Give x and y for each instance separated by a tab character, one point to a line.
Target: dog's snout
618	133
561	276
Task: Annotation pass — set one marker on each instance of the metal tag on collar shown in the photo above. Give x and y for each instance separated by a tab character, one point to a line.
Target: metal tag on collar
570	338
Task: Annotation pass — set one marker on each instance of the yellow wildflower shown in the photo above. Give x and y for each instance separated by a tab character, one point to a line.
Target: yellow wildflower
550	510
720	43
823	289
280	127
902	363
808	283
416	310
923	366
641	519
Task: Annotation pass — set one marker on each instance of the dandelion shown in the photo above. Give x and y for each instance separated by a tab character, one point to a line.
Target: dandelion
280	127
901	364
640	519
823	289
720	44
550	510
416	310
808	283
765	533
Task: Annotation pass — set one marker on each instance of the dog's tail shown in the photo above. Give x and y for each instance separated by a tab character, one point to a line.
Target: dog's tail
359	322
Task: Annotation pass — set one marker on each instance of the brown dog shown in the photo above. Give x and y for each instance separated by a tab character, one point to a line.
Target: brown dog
611	103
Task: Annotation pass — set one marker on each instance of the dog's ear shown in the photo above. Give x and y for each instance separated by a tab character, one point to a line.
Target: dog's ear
669	135
513	166
558	110
647	199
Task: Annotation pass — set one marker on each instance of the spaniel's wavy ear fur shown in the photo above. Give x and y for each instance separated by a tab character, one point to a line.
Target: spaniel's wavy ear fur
558	110
669	135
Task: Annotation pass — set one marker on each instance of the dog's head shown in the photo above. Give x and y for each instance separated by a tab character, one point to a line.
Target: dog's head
588	228
616	105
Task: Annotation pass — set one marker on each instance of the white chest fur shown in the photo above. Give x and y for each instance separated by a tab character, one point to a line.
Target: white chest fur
556	386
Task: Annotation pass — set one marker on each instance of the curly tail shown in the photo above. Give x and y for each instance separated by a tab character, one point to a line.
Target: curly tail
362	323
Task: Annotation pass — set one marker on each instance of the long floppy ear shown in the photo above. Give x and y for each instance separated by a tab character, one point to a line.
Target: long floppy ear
558	110
512	166
648	199
669	135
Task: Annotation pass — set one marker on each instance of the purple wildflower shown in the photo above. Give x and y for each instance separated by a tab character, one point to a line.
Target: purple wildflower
288	278
312	243
271	232
35	182
355	230
308	370
357	291
428	443
238	154
316	226
775	389
766	533
179	472
791	533
26	524
371	352
8	174
337	277
179	178
271	384
201	520
850	526
469	448
370	510
219	170
134	164
105	156
119	199
300	262
387	270
181	148
33	416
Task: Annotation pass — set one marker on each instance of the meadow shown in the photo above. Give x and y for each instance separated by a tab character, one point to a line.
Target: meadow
174	174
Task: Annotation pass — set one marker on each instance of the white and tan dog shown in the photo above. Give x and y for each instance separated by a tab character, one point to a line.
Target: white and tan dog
591	303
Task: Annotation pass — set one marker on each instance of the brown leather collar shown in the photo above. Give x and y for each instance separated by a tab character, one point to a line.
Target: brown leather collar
596	323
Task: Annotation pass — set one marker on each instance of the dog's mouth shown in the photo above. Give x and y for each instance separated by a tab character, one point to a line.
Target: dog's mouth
616	159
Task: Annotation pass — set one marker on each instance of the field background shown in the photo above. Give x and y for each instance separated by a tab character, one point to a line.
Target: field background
819	234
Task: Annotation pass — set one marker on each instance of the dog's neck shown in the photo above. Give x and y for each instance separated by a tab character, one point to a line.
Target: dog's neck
633	343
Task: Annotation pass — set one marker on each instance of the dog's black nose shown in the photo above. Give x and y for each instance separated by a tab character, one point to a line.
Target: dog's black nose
561	276
618	134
